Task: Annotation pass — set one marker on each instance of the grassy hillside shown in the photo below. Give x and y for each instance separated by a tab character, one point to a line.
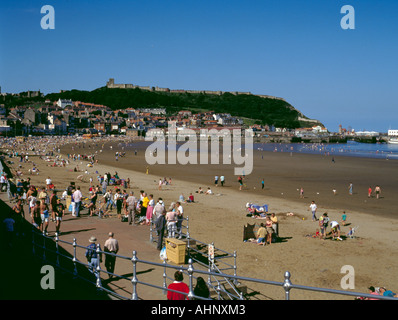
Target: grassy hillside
266	111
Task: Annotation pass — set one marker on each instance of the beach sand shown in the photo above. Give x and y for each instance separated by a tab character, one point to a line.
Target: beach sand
220	218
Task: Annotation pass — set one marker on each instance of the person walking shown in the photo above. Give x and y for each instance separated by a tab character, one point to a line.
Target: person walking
131	203
171	221
160	228
109	200
118	199
377	192
180	218
9	223
18	216
313	208
77	197
111	247
93	257
59	211
350	189
53	203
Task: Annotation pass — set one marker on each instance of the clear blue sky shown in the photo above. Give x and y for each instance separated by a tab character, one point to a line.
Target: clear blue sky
287	48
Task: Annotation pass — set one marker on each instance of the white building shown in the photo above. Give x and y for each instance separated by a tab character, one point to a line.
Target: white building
62	103
367	133
393	133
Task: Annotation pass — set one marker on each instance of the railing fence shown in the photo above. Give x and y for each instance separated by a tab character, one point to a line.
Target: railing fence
49	249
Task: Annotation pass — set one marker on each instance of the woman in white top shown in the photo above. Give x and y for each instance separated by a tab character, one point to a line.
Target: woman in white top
171	221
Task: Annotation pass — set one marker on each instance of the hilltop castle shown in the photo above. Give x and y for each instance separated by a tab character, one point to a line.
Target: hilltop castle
111	84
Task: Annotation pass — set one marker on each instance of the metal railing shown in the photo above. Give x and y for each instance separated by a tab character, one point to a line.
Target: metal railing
219	258
51	251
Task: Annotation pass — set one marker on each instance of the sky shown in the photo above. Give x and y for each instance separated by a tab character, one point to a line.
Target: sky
286	48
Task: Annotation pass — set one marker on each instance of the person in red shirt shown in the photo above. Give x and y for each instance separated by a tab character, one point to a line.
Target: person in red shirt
178	285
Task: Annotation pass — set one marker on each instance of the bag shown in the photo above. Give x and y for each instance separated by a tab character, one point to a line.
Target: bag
125	218
163	255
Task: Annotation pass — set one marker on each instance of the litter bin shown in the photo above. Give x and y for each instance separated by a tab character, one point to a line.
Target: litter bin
175	250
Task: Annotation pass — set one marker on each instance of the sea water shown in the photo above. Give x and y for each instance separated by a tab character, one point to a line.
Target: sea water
351	148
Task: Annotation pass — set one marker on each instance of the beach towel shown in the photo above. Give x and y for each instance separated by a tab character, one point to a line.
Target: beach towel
257	208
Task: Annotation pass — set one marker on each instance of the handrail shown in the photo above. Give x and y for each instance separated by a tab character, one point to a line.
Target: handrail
287	285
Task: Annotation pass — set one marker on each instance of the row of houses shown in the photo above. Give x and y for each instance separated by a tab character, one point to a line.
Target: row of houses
67	116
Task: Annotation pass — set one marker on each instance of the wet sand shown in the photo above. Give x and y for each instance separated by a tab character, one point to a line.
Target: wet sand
284	174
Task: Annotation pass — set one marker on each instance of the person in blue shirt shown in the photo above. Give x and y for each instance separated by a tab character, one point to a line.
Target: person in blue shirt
93	258
387	293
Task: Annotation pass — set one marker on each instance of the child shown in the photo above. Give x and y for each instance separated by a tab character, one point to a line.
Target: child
350	233
344	218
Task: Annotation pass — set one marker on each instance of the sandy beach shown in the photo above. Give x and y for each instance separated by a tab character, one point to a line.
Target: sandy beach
220	218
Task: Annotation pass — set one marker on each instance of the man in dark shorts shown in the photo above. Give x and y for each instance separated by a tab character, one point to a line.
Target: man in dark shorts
53	203
59	213
35	215
18	216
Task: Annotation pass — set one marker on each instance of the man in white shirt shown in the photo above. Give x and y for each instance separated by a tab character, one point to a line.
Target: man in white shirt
2	182
77	197
313	208
48	182
111	246
335	230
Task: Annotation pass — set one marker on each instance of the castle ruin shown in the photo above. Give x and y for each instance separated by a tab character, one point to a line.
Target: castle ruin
111	84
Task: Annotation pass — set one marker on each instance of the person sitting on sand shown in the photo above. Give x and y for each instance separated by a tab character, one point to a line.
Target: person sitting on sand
261	235
316	235
190	198
209	191
200	190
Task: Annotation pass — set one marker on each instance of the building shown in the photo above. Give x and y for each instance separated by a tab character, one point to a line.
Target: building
393	133
62	103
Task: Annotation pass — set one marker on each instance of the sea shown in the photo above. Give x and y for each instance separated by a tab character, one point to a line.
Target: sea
350	149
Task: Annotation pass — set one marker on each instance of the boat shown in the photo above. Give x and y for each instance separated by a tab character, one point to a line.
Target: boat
393	140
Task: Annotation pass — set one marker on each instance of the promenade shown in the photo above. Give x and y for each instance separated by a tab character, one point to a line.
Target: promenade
22	275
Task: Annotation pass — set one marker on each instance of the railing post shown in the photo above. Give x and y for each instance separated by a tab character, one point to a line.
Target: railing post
98	268
287	285
33	241
188	239
150	231
190	273
164	278
134	280
188	231
236	282
57	250
75	273
44	247
210	264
